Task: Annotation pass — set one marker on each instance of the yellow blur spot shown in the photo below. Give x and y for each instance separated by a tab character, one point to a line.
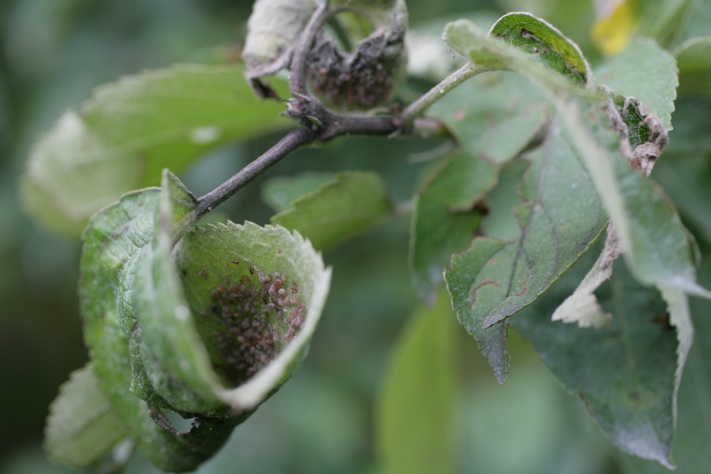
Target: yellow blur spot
613	32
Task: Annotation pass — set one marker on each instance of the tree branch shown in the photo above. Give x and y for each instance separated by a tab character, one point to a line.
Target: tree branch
321	124
417	108
287	145
297	78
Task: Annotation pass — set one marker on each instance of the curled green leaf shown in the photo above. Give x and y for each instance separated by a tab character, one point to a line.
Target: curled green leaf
540	39
207	329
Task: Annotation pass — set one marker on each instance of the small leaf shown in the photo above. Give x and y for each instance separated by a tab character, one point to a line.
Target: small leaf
625	373
130	130
551	71
646	72
281	191
82	426
542	40
439	228
355	202
694	62
415	407
560	217
494	116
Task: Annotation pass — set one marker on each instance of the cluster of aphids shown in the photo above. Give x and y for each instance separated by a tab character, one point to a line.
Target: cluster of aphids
259	320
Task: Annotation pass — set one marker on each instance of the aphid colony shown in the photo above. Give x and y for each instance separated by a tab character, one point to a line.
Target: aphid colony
258	316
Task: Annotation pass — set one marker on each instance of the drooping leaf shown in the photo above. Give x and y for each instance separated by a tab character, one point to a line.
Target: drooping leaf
646	72
130	130
692	435
354	202
494	118
625	372
169	360
415	407
82	426
560	217
693	59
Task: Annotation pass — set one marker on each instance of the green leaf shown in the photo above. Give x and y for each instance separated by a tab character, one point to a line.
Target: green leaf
560	217
491	53
113	238
666	20
415	406
439	228
132	129
693	59
654	241
494	119
281	191
494	116
168	352
686	180
625	373
646	72
544	41
692	438
354	202
281	284
82	426
152	335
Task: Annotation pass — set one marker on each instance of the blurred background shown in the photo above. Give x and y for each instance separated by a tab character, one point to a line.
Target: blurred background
52	54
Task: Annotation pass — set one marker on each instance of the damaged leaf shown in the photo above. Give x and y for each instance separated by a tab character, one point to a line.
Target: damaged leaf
560	217
153	316
273	30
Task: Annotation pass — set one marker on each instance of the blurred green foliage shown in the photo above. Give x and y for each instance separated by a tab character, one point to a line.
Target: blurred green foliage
53	53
